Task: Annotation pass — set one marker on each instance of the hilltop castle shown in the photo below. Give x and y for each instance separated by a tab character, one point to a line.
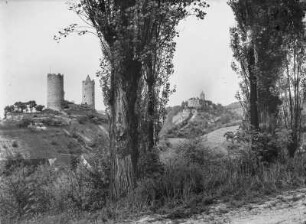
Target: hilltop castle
196	102
55	92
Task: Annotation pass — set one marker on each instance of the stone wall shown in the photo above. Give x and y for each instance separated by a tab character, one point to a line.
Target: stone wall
194	103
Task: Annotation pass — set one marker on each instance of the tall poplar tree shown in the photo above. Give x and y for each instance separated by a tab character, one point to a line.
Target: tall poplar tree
135	36
258	42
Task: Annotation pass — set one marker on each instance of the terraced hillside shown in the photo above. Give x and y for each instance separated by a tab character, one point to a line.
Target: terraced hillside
59	137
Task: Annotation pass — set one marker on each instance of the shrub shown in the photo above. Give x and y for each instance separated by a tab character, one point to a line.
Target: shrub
29	188
53	142
150	165
23	189
226	118
15	144
82	119
195	172
24	123
77	191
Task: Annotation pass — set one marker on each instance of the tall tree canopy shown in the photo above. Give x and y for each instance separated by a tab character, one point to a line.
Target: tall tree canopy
268	44
259	45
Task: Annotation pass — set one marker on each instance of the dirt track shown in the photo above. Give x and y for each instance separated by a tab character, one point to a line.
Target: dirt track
288	207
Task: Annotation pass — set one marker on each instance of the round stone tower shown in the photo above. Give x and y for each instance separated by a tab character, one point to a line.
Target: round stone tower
88	97
55	91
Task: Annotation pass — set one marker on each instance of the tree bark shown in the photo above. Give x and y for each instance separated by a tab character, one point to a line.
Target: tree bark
124	130
151	106
254	121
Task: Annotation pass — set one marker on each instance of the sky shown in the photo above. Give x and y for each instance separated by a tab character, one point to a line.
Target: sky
28	52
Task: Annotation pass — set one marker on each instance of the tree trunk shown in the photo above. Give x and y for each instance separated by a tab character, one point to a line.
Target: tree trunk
151	108
124	130
253	89
151	114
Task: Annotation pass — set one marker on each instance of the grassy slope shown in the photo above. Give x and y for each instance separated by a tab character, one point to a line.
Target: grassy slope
59	142
42	144
172	111
204	121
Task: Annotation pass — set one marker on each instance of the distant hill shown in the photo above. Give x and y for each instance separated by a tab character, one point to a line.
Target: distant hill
235	108
183	122
62	137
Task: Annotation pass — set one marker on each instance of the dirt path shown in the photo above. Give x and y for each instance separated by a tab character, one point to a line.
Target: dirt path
288	207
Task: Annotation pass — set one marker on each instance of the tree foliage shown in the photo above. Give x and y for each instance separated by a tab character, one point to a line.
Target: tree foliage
263	41
259	45
292	90
136	38
20	107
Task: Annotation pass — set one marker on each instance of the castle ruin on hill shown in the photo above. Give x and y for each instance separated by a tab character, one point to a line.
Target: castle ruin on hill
55	92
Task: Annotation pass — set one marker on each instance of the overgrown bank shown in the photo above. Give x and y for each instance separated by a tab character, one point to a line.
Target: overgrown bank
188	183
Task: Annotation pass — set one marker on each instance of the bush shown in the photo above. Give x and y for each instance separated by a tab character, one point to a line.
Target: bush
79	190
82	119
53	142
195	172
23	190
52	122
24	123
29	188
225	119
14	144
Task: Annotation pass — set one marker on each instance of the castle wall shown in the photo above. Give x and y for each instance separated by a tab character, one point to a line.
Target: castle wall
194	103
88	92
55	91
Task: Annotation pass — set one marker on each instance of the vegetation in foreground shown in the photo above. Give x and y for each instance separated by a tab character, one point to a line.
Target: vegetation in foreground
188	183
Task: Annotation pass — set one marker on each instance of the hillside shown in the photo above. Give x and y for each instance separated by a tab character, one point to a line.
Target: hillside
79	130
189	123
51	135
235	108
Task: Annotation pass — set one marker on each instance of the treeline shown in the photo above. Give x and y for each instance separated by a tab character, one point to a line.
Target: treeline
21	107
268	45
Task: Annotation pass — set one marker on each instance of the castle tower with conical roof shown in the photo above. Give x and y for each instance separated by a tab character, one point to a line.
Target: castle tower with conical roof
88	92
55	91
